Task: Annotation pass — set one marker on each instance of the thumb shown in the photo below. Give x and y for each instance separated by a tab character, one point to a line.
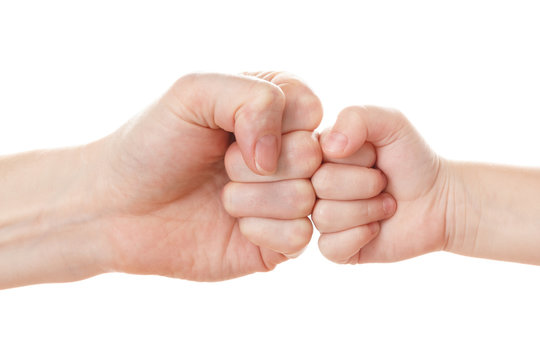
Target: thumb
401	153
357	125
250	108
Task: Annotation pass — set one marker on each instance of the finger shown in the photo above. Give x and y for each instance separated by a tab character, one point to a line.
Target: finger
347	182
331	216
303	109
365	156
385	248
300	158
381	250
251	108
288	199
287	237
271	258
342	247
357	124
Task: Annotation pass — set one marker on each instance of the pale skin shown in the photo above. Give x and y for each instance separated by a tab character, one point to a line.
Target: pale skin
173	193
151	198
477	210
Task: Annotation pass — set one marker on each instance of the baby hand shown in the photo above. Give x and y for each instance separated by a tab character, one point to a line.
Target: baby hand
372	152
351	201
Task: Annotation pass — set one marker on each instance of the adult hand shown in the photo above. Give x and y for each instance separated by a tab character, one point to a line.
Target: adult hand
163	178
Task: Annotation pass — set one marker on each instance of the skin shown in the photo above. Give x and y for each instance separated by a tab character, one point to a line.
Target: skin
156	196
471	209
174	193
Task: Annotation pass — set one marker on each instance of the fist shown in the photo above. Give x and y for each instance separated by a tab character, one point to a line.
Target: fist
273	210
351	201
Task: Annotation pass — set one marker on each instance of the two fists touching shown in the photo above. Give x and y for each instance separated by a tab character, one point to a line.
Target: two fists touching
217	180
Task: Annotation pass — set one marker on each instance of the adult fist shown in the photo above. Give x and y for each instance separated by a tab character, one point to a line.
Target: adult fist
164	175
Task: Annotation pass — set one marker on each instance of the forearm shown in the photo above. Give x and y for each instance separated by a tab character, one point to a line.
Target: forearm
495	212
49	223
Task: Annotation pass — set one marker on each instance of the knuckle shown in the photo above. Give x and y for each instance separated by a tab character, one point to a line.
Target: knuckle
309	152
400	120
320	215
320	181
392	114
314	157
397	114
300	235
302	197
186	83
357	111
186	80
324	247
313	107
269	95
182	89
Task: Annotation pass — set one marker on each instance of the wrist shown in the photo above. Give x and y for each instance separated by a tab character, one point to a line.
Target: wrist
463	212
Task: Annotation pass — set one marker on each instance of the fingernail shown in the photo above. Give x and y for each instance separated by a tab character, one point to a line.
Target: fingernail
373	227
335	142
266	154
389	205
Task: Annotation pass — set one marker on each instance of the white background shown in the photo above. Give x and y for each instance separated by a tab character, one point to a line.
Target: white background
467	75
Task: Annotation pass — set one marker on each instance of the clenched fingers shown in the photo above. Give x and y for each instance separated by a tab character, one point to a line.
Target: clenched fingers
288	199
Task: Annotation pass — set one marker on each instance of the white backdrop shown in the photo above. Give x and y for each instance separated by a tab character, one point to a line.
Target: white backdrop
467	75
